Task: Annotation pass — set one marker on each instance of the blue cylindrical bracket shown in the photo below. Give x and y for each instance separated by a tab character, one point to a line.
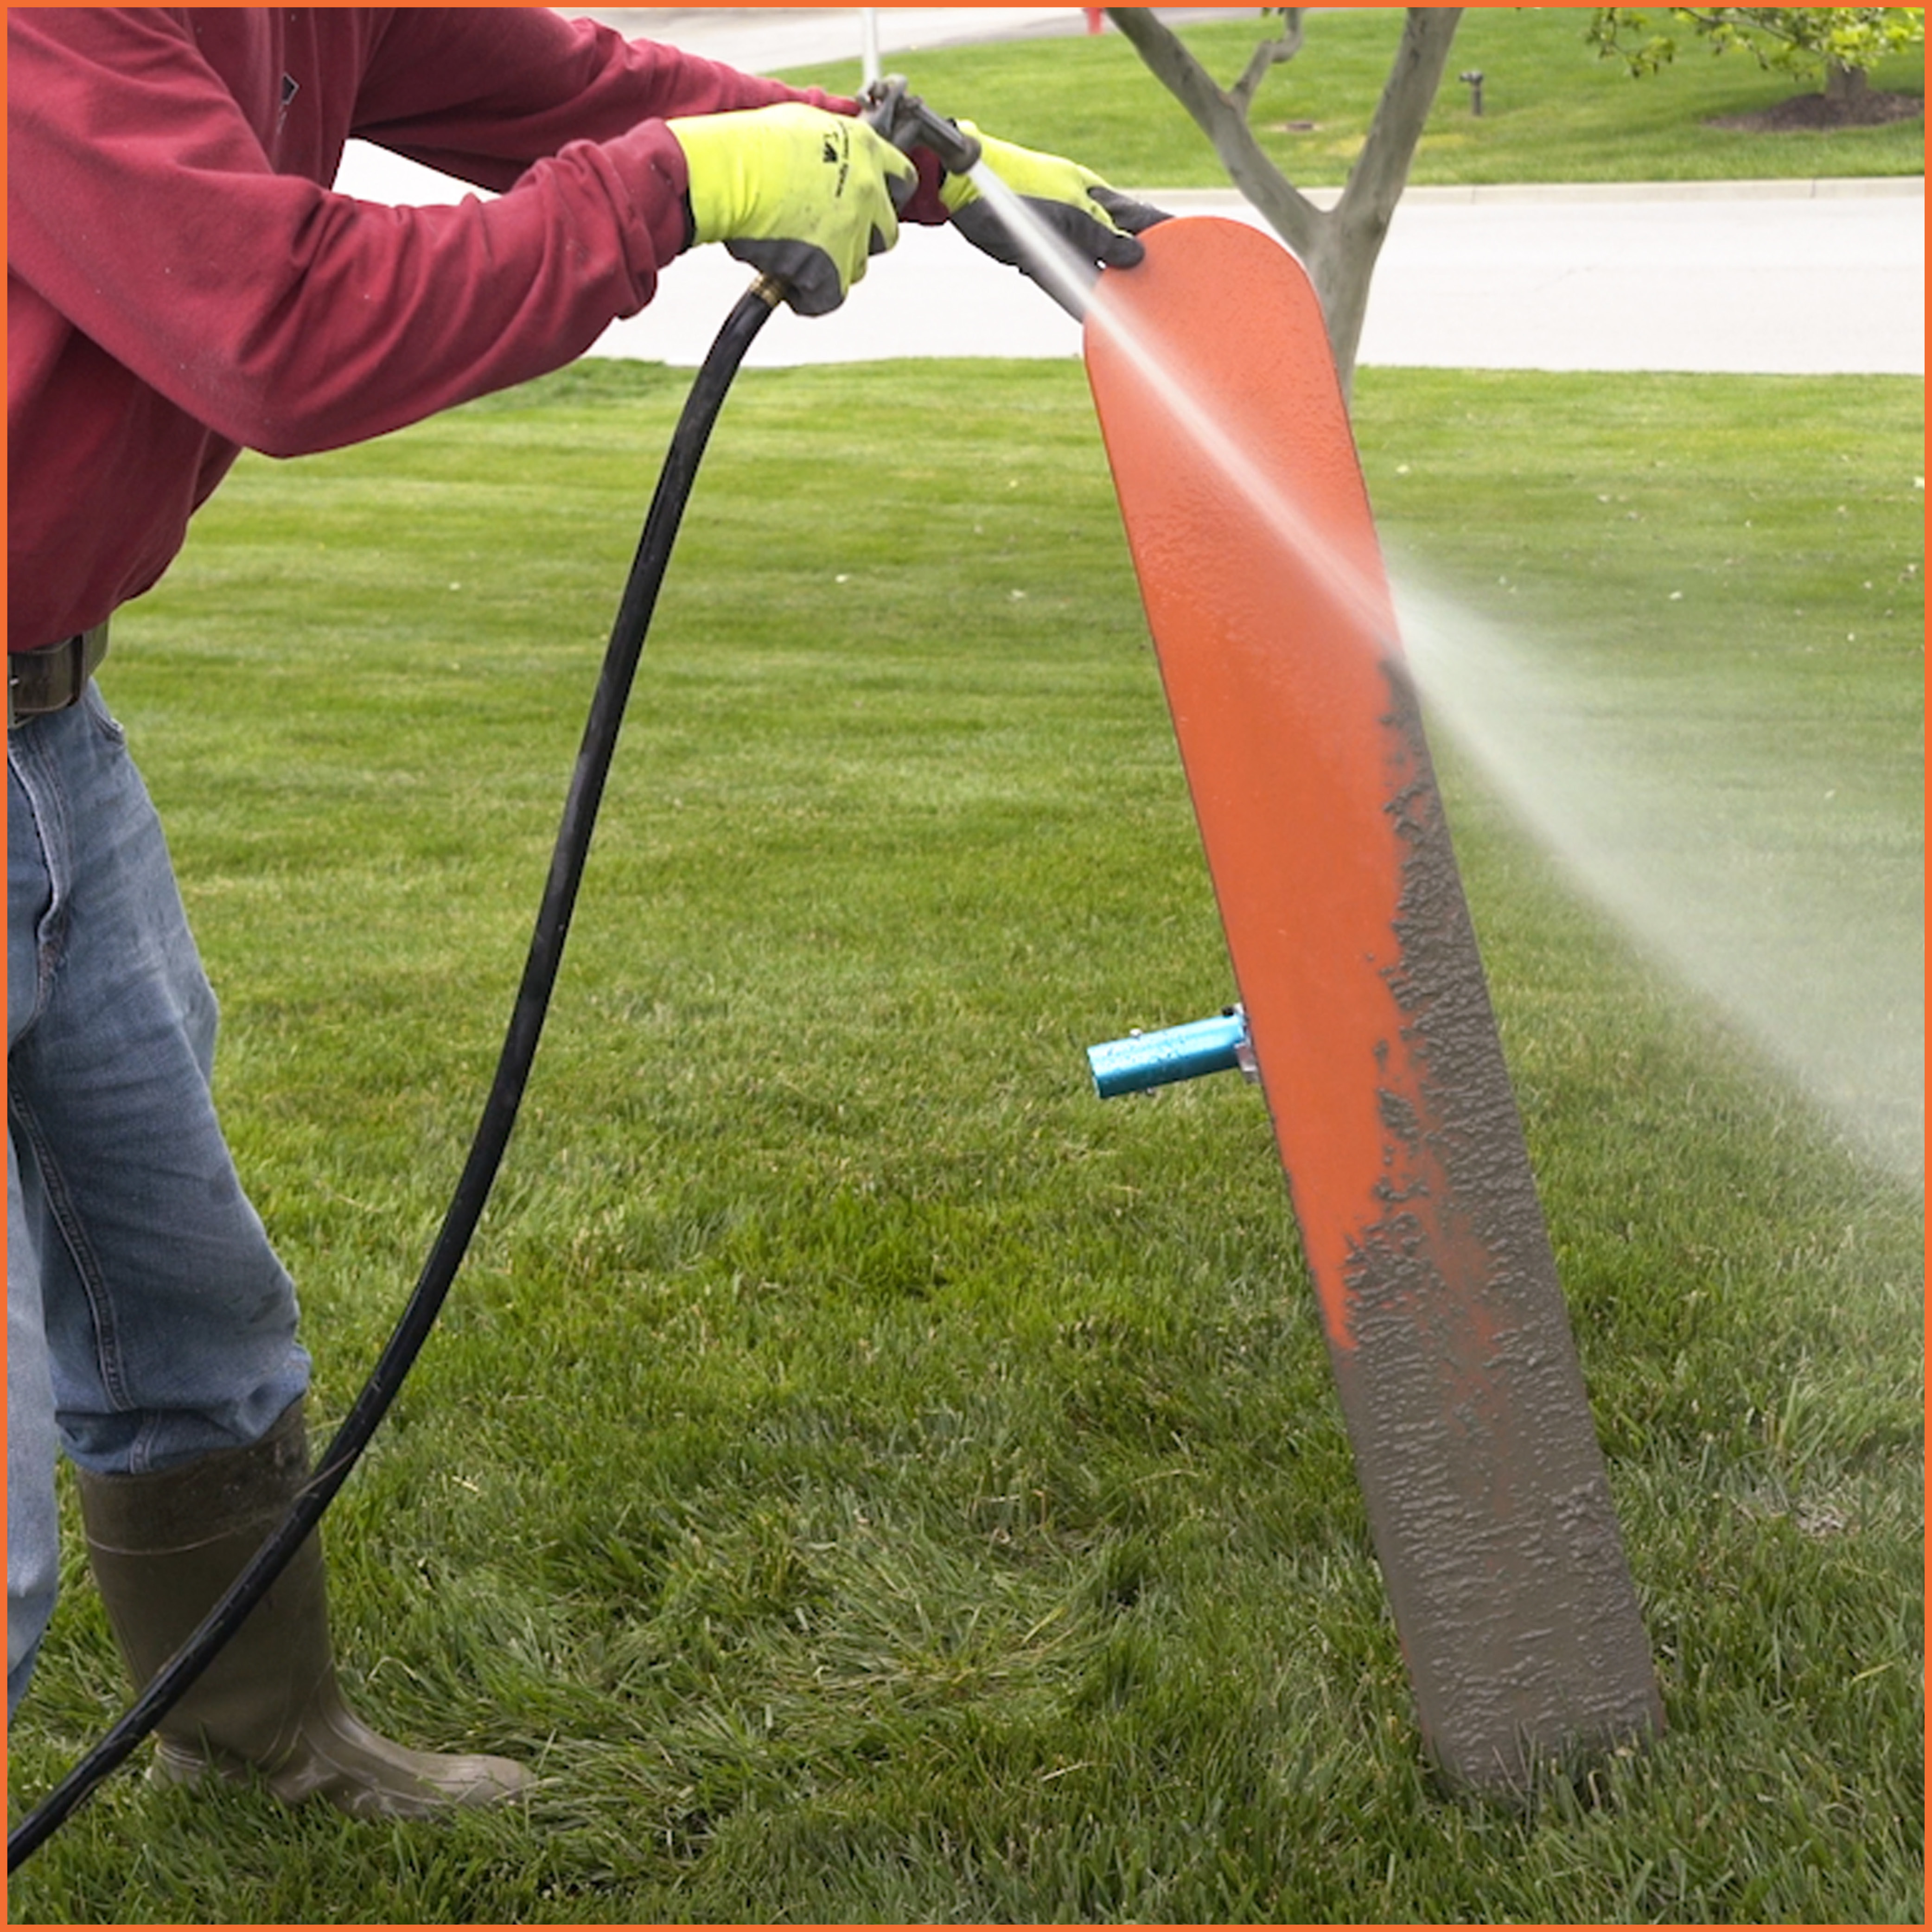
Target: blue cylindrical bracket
1144	1059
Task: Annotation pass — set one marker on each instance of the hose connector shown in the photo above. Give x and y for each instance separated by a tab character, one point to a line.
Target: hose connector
1143	1060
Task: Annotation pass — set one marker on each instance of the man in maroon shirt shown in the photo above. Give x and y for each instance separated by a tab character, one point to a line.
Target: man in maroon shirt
183	284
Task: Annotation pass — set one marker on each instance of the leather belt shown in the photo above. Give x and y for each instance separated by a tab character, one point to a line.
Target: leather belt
54	677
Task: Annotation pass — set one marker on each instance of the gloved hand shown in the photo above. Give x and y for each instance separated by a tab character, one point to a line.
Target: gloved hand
1097	222
798	193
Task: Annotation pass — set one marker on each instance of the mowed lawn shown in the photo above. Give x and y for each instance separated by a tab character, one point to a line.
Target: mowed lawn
868	1477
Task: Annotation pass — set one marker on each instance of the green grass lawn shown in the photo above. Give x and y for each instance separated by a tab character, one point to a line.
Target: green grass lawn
1551	110
867	1477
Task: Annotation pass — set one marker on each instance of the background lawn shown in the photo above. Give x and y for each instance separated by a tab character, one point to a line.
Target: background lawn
869	1477
1551	110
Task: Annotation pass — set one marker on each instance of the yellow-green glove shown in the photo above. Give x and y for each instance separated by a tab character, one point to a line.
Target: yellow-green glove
800	193
1097	222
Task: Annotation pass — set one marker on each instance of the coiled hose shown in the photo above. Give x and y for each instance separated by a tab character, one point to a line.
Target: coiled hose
492	1137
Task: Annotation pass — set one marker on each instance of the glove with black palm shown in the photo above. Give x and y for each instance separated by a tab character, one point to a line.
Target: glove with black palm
1094	224
802	194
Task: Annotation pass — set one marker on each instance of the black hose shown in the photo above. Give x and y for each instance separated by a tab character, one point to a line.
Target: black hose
499	1109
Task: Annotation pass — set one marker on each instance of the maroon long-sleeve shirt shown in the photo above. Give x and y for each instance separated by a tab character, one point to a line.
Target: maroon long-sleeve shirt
181	282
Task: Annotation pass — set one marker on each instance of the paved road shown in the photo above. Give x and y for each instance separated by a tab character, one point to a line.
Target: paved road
1776	278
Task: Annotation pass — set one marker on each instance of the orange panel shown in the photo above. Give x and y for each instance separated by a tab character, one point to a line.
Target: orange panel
1352	951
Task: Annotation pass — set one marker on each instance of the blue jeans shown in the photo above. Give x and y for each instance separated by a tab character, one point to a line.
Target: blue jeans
149	1321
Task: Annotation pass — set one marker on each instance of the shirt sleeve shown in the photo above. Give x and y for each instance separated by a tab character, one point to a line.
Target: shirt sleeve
144	206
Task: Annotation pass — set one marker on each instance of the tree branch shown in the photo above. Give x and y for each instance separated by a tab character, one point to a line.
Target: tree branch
1291	214
1381	172
1268	55
1361	217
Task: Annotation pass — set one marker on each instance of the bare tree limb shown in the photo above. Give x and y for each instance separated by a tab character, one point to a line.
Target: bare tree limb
1381	172
1376	182
1265	57
1289	212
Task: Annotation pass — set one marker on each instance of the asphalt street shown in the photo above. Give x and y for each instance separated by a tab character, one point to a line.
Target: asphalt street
1786	278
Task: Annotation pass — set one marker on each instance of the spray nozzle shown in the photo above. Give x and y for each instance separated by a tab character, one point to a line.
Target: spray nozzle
888	108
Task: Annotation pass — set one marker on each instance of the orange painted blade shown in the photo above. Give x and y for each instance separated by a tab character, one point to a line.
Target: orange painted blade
1253	539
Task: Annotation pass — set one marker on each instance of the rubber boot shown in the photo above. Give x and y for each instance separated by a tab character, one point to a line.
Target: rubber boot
163	1547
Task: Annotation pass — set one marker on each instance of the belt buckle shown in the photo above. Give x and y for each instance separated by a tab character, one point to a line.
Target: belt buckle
70	664
15	714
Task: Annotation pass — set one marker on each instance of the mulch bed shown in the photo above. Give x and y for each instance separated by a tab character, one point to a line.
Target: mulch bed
1815	113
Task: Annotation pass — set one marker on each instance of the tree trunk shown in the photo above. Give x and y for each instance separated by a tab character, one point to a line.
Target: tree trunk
1844	84
1338	248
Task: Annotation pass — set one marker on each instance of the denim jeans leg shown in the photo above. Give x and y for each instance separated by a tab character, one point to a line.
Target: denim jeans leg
169	1322
33	1527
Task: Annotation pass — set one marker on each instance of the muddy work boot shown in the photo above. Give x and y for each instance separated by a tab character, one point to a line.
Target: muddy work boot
163	1547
